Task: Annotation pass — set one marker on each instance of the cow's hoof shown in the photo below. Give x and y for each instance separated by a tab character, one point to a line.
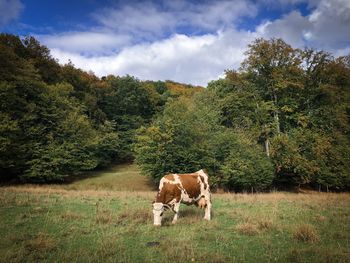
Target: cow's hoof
173	222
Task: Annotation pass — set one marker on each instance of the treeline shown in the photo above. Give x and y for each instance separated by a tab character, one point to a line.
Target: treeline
57	121
281	120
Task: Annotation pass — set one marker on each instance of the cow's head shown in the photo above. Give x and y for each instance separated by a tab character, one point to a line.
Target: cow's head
158	209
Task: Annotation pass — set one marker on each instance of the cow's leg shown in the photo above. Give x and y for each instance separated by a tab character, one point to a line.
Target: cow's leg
176	211
207	209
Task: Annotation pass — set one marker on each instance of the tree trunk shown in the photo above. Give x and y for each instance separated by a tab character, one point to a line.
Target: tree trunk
267	147
275	115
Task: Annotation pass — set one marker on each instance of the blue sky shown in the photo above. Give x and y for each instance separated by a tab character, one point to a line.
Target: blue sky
186	41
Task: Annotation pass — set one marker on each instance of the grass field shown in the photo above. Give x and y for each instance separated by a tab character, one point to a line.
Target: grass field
107	218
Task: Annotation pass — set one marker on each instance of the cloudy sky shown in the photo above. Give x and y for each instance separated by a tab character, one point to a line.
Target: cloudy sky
186	41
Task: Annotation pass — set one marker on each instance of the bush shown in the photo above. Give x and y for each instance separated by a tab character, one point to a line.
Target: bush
247	168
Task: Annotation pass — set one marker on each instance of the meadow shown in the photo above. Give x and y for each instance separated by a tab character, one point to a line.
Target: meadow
107	217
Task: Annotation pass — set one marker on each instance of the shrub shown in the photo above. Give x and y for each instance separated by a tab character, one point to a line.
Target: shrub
247	168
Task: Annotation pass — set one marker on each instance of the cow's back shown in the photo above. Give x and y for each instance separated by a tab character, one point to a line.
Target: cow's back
191	184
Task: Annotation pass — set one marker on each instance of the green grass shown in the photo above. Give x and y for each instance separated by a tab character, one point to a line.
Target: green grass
44	223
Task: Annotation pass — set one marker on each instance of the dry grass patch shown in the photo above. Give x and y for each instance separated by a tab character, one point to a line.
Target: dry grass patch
104	216
179	251
265	224
320	218
69	215
19	238
306	233
41	243
247	229
313	198
36	191
188	253
108	247
235	214
135	216
39	210
212	257
320	255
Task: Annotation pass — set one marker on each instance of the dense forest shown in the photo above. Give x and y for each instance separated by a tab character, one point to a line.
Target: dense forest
281	120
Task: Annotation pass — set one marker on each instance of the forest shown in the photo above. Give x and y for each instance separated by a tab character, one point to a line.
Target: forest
280	121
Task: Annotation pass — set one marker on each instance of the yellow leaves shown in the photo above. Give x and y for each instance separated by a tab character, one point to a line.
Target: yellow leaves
303	121
287	109
321	146
152	134
178	89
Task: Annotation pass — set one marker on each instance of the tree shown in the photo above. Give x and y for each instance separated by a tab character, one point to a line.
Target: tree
242	107
45	134
179	140
39	55
274	68
129	104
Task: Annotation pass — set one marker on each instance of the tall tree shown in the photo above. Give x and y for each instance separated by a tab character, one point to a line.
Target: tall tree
274	68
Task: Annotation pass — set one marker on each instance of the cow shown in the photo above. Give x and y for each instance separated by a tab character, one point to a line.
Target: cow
174	189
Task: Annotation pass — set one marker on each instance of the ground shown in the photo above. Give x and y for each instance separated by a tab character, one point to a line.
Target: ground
107	217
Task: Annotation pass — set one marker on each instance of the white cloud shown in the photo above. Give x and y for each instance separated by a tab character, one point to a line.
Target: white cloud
140	18
180	57
292	28
188	58
218	14
9	10
194	60
88	43
327	27
152	19
330	24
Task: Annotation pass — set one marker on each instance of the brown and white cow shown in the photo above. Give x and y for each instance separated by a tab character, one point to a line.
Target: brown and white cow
189	189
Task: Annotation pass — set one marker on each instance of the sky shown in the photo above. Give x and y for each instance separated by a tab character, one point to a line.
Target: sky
186	41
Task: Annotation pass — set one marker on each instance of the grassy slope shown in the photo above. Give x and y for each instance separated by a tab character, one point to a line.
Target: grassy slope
118	178
57	224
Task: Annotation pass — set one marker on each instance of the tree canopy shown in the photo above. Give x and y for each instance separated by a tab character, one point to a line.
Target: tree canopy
57	120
